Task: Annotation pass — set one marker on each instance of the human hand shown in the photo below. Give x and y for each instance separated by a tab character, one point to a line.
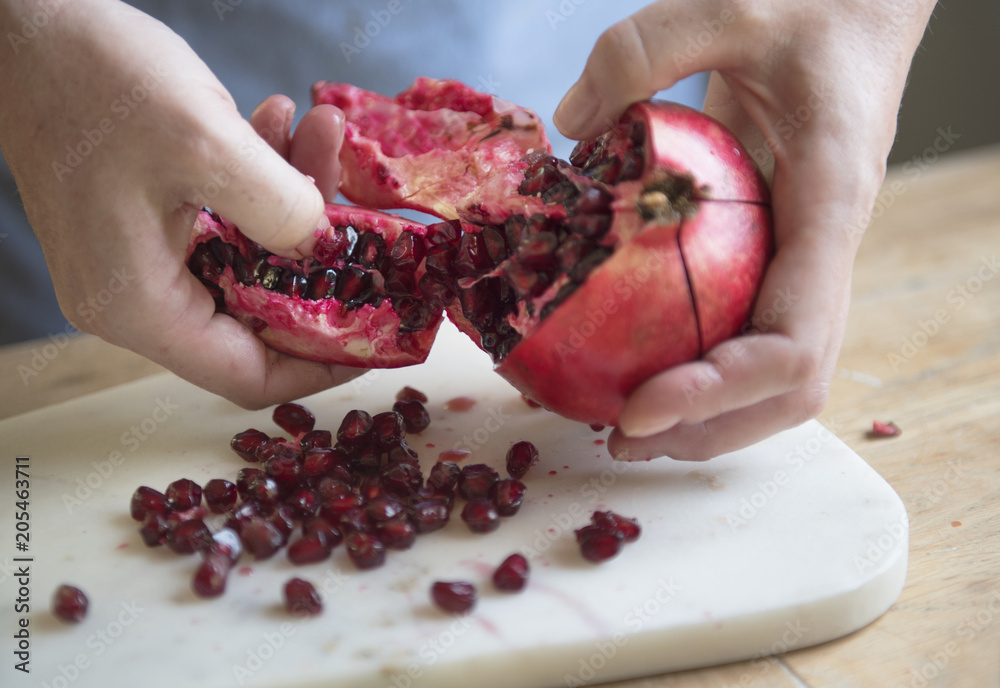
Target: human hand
812	89
117	133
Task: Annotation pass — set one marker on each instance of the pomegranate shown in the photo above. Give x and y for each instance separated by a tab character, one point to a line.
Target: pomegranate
581	279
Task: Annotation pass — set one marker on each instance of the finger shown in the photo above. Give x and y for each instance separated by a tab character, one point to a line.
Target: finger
719	435
269	200
315	148
217	353
642	54
272	120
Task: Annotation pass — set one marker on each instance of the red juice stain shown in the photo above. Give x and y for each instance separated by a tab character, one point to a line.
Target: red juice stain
459	404
553	473
430	445
244	570
122	546
454	455
566	467
598	442
956	524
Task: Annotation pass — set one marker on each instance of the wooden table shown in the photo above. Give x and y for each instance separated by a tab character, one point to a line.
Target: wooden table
922	349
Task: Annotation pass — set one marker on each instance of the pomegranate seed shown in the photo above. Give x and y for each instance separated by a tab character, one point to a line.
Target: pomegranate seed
596	427
302	503
628	527
286	471
264	490
355	429
210	578
512	574
220	495
402	480
247	443
407	252
365	550
415	416
330	488
275	446
321	528
69	603
402	452
429	515
383	509
183	494
480	515
309	549
367	460
507	495
283	519
388	429
396	533
355	521
318	461
599	544
301	598
333	509
261	538
444	477
226	543
294	419
475	480
456	597
154	529
245	478
889	429
316	439
520	457
146	500
189	537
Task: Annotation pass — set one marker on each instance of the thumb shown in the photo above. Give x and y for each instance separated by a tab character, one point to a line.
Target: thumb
269	200
642	54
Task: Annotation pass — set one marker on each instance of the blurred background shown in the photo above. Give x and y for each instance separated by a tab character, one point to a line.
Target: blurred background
951	89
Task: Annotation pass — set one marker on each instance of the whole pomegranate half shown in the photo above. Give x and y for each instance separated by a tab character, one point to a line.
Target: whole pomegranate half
581	279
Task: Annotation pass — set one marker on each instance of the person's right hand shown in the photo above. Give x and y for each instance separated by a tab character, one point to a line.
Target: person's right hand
116	133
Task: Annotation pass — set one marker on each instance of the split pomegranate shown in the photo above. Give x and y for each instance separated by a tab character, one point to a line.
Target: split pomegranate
69	603
582	279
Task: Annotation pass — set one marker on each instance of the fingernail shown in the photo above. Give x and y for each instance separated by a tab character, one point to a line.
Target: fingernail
577	109
645	423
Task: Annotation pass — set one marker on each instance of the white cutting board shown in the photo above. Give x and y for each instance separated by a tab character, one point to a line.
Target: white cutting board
789	543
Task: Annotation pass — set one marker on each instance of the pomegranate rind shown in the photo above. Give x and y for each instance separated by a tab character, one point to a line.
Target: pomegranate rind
439	147
323	330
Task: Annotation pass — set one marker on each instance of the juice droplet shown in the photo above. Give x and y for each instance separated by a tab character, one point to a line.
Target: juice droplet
459	404
430	445
956	524
598	442
552	473
454	455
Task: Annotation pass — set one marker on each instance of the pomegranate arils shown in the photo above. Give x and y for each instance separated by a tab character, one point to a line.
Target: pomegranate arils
355	429
301	598
402	480
247	443
323	529
520	457
302	503
628	527
365	550
309	549
411	394
415	416
69	603
444	477
245	478
332	510
889	429
512	574
383	509
154	529
480	515
388	429
189	537
265	491
318	461
456	597
210	578
475	480
429	515
316	439
220	495
598	543
408	252
355	520
396	533
261	539
183	494
331	488
226	543
146	500
294	419
507	495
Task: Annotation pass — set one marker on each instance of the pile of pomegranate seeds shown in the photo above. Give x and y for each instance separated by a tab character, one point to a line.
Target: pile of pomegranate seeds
69	603
604	537
361	487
